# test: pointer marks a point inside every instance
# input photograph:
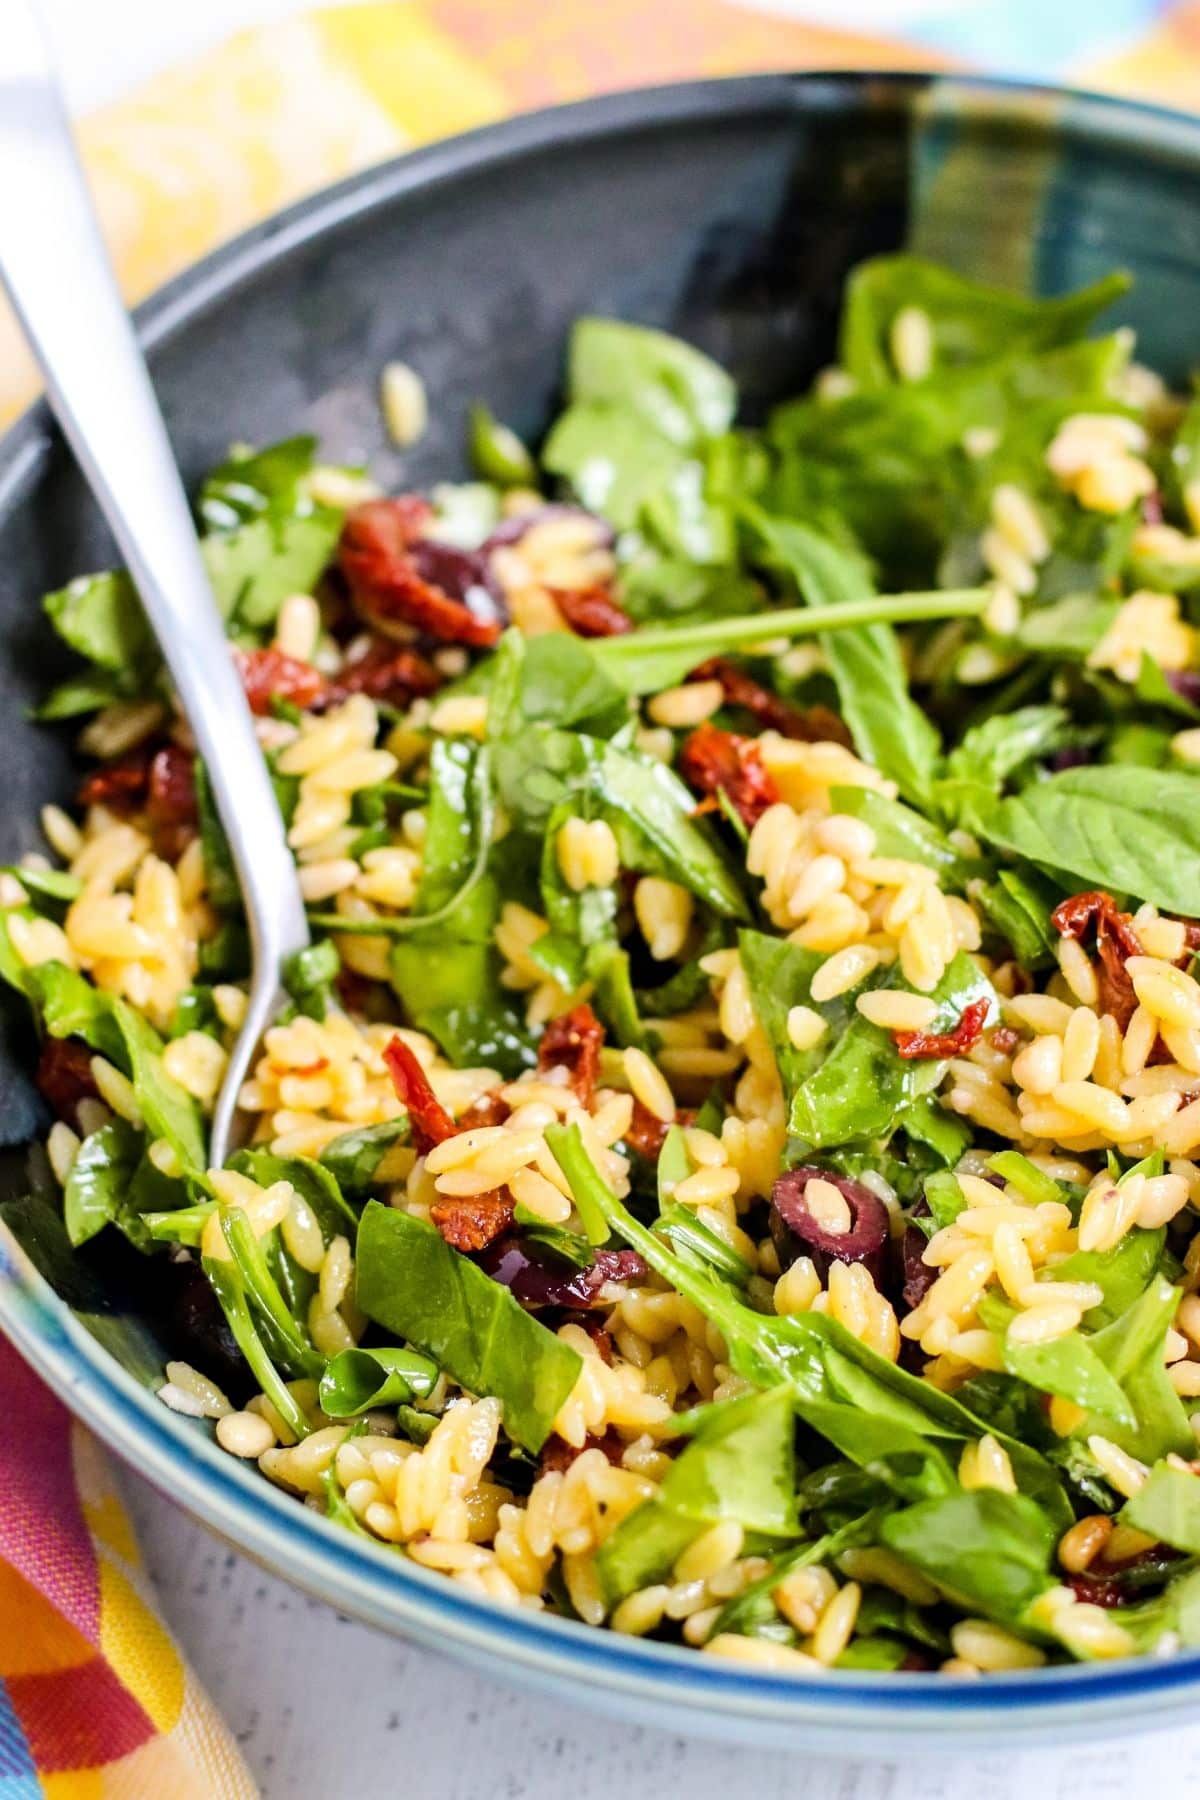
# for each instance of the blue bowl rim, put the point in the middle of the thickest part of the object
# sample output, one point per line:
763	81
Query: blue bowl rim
185	1463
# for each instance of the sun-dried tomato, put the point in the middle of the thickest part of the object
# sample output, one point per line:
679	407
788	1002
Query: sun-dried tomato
592	612
573	1042
558	1455
1116	941
64	1076
171	810
713	761
1004	1039
489	1109
966	1034
810	725
646	1132
471	1222
430	1122
271	675
398	575
385	672
120	786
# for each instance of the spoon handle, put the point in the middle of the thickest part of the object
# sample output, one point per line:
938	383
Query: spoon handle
56	269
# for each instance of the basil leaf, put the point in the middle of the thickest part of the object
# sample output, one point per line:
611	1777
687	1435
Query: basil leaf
1129	829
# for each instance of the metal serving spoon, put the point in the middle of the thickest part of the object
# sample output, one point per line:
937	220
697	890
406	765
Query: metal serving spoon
55	267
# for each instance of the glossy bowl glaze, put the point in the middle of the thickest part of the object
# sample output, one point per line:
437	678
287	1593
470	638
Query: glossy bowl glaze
729	212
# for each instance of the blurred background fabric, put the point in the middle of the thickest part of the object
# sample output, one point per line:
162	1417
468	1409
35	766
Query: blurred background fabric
198	120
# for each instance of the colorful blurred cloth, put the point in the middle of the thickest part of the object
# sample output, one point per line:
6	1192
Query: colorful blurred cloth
96	1702
95	1699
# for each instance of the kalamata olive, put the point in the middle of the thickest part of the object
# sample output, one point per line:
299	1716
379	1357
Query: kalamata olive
1075	756
537	1280
796	1232
463	574
1185	683
918	1276
197	1329
512	530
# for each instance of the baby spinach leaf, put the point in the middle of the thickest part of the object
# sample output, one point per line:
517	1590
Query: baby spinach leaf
780	975
900	832
252	482
1067	1365
672	387
1069	628
284	1336
1133	1348
753	1612
358	1381
308	976
1017	906
101	617
80	694
991	753
988	1550
740	1465
98	1185
413	1284
1168	1508
1129	829
353	1159
863	1084
889	729
70	1007
971	323
810	1353
1123	1273
312	1181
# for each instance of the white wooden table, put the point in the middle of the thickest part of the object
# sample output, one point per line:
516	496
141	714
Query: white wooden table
325	1708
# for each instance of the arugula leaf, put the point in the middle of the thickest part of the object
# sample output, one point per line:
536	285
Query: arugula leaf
971	323
1130	829
226	1280
992	752
358	1381
889	729
739	1465
412	1283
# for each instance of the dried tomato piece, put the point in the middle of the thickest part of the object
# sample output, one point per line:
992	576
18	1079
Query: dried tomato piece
1116	941
714	761
646	1131
1004	1039
120	786
966	1034
473	1221
171	809
489	1109
573	1042
430	1122
397	575
812	725
64	1076
592	612
558	1455
396	676
271	675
